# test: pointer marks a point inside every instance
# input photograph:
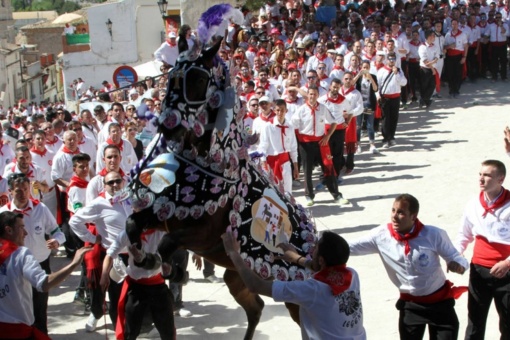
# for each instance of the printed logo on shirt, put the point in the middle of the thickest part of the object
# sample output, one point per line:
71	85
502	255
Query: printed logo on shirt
423	260
50	162
349	303
38	230
502	229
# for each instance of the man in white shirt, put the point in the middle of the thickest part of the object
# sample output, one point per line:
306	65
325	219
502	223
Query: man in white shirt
118	116
53	143
485	221
23	273
411	254
86	145
43	158
110	218
429	76
39	223
168	52
129	158
319	295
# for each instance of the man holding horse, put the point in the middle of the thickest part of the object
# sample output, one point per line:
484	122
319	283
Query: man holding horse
333	292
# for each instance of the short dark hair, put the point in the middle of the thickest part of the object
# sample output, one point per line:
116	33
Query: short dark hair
412	202
333	248
113	125
80	158
8	218
17	178
428	33
500	166
111	146
40	132
280	102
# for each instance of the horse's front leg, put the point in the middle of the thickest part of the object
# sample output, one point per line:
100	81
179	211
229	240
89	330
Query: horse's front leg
251	303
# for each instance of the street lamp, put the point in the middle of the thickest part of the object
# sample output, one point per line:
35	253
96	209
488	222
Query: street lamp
162	4
109	24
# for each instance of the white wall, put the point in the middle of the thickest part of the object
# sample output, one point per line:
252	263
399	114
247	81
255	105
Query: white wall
136	34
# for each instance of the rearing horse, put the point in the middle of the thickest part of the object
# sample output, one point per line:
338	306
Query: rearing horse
198	180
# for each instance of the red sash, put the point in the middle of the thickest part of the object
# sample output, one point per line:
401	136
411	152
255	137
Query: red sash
21	331
487	254
327	159
92	260
418	226
276	163
448	291
121	307
338	278
350	132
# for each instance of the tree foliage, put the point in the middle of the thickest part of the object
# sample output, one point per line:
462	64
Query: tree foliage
61	6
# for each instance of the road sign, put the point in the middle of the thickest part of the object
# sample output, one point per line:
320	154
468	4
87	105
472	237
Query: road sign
124	76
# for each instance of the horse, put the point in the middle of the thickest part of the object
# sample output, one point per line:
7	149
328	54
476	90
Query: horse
199	180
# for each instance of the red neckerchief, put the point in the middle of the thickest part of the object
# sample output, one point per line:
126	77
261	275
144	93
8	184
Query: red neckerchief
77	182
287	100
353	71
266	86
482	26
338	100
249	115
268	118
6	249
321	58
368	56
395	36
300	61
503	198
55	139
120	145
415	43
69	152
323	77
146	233
456	34
103	172
103	195
338	68
252	49
473	26
378	66
29	174
387	68
40	153
312	111
338	278
345	93
16	126
244	79
418	226
82	142
282	133
170	43
337	45
23	211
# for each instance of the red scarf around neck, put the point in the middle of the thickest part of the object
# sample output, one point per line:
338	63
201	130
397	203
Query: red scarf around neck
66	150
345	93
338	278
6	249
418	226
55	140
120	145
40	153
503	198
339	99
103	172
336	67
77	182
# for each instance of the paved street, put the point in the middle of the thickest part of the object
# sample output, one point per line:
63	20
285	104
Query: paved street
436	159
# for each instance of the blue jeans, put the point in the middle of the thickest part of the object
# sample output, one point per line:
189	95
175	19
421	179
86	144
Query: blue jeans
370	126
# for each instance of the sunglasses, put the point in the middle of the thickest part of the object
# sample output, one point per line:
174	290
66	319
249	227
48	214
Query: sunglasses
29	139
311	77
77	129
254	105
131	129
114	181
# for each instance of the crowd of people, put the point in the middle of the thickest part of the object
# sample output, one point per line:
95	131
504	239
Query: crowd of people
310	90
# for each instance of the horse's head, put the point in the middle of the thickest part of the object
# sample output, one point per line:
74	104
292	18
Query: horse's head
194	94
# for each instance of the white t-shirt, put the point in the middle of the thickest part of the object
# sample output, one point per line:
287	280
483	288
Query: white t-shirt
321	314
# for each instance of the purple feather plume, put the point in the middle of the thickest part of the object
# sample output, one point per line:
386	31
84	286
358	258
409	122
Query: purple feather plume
215	20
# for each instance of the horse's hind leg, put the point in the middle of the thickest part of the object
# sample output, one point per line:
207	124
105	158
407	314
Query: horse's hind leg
251	303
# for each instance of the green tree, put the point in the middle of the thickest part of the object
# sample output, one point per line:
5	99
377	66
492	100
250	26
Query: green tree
68	7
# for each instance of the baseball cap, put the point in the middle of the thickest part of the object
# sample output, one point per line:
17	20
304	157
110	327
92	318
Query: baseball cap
275	31
264	99
172	35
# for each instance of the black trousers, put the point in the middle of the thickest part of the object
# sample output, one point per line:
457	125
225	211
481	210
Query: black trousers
440	317
404	89
180	258
414	79
427	84
40	302
483	288
498	61
485	66
472	63
453	69
336	145
97	297
390	110
208	269
310	152
157	299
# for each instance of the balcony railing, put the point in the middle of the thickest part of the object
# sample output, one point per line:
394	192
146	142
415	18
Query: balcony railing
74	39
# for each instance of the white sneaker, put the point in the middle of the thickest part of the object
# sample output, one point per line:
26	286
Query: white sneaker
185	313
91	324
373	150
393	142
386	146
358	150
213	279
